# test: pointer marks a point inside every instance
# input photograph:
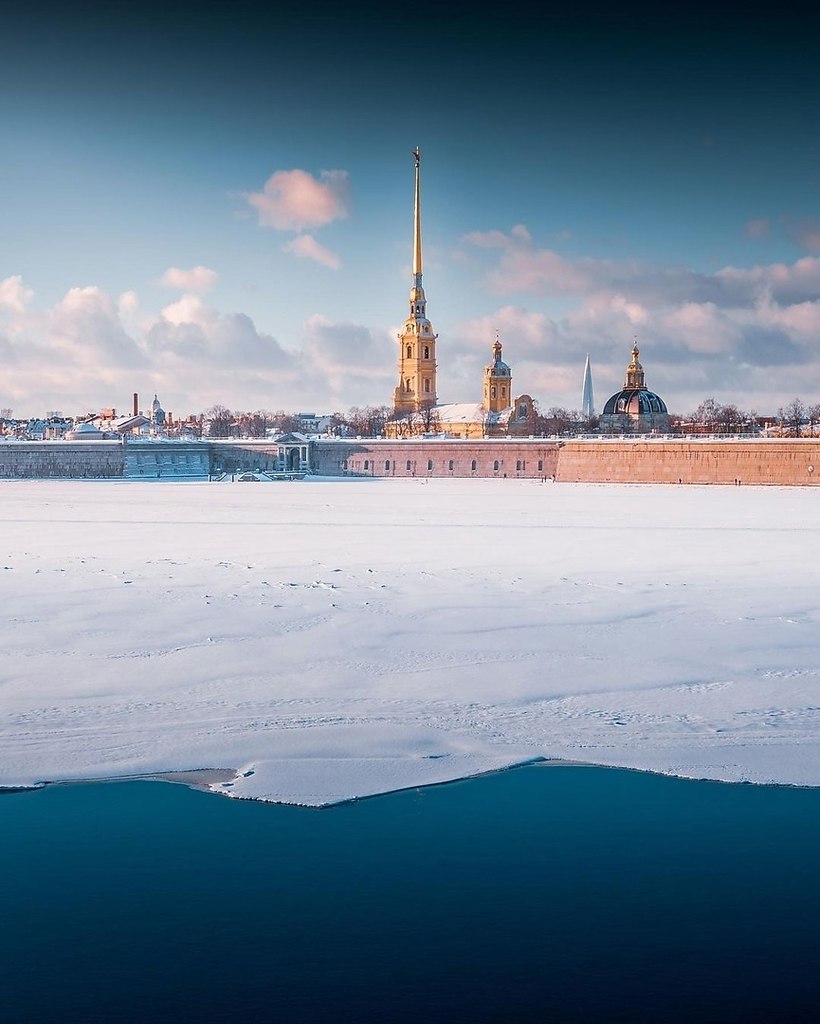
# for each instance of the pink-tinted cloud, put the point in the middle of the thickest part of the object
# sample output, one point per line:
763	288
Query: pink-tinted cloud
198	279
295	200
14	296
521	267
306	247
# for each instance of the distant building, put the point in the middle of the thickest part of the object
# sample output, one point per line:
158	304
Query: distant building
635	409
86	431
587	399
311	423
157	413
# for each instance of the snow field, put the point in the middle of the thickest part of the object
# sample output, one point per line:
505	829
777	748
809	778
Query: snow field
334	639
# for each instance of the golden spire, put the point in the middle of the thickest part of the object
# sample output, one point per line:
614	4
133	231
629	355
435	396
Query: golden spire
417	223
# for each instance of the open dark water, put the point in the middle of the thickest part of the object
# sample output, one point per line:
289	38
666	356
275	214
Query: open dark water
540	894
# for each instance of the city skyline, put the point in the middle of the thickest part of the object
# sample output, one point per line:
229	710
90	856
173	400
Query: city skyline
215	204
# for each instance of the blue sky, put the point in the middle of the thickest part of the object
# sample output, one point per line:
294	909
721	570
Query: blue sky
588	175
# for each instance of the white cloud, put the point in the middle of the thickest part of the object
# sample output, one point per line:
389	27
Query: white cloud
295	200
308	248
355	364
14	296
523	268
723	334
701	328
188	309
198	279
85	327
128	302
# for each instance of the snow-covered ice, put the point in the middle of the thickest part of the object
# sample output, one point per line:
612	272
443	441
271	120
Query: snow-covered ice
333	639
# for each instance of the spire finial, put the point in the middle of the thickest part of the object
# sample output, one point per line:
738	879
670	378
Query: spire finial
417	220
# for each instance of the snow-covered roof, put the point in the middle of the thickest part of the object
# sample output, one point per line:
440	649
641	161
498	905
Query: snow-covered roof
469	412
127	422
84	431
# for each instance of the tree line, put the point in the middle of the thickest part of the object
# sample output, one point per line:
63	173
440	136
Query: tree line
797	418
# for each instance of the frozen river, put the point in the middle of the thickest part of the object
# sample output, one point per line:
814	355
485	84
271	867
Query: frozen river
335	639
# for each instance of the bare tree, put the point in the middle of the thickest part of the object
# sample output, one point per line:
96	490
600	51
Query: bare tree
792	416
707	414
730	418
428	418
813	416
284	422
557	421
220	420
255	424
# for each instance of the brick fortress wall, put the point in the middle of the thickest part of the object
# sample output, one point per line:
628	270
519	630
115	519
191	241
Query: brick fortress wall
440	457
708	461
785	462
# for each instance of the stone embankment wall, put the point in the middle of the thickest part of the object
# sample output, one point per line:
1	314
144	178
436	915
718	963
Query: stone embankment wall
242	456
790	463
433	457
180	460
708	461
37	460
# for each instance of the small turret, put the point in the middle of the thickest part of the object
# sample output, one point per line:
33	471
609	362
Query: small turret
634	372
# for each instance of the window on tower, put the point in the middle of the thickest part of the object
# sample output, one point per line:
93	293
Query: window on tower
409	351
427	387
492	392
426	351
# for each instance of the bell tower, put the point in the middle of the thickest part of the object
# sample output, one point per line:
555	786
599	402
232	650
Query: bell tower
497	382
416	389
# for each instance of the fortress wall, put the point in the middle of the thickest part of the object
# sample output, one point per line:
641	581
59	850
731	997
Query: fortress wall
708	461
175	460
791	463
97	460
434	457
243	456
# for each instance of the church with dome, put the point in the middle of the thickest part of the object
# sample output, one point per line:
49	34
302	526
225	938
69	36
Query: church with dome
416	409
635	409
